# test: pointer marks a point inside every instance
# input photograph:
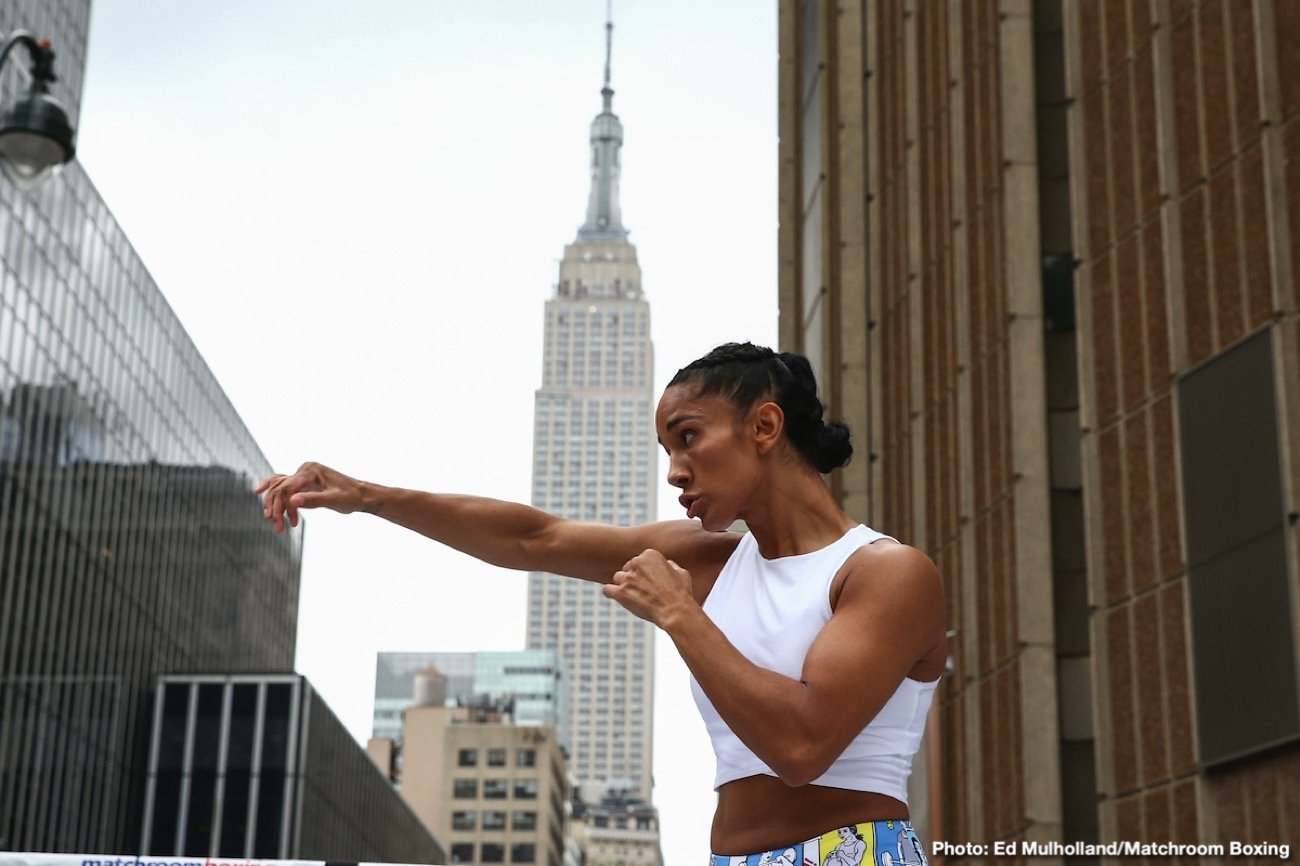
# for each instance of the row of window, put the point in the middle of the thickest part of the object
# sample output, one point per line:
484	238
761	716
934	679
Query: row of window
493	820
497	757
494	789
493	852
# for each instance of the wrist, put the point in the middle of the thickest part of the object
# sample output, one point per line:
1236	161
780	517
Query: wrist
678	617
371	498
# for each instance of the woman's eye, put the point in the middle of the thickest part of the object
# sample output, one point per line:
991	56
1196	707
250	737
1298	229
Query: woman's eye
687	436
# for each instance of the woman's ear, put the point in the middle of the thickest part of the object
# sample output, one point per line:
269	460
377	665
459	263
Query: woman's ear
768	424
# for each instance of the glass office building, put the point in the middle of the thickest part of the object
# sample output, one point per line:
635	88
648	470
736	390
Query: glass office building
131	543
533	681
258	766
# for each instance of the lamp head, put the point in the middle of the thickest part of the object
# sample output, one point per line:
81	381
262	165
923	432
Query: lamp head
36	137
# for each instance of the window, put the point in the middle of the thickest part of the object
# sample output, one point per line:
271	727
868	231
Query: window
464	789
463	820
1235	524
496	757
494	789
525	789
467	758
526	758
493	853
462	852
523	853
494	820
523	821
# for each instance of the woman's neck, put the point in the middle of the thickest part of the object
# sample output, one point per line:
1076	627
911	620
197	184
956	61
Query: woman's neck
794	514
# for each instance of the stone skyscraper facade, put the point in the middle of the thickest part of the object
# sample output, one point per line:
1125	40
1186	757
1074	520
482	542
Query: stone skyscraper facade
594	459
1046	259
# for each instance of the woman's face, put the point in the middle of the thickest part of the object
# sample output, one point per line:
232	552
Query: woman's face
710	457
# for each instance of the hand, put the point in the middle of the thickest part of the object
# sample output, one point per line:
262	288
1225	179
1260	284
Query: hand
652	587
312	486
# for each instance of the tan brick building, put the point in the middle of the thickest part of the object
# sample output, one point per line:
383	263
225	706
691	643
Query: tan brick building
1044	257
489	790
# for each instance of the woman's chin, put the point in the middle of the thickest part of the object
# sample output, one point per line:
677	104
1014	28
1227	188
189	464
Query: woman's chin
714	524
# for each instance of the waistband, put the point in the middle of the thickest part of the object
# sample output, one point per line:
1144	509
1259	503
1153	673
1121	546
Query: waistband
870	843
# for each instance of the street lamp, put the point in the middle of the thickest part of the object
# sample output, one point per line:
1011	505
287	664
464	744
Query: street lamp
35	134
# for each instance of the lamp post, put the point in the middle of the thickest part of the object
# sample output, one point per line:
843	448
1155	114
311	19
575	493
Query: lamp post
35	134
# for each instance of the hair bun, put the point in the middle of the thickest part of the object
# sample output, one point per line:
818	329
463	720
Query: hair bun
834	446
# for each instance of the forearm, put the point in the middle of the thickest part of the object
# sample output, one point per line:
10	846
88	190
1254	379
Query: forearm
507	534
774	715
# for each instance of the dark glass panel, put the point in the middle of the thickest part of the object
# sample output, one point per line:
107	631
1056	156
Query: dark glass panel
270	815
167	798
207	727
198	824
243	727
234	814
171	745
275	731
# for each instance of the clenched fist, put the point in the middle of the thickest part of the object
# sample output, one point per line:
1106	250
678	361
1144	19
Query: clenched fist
652	587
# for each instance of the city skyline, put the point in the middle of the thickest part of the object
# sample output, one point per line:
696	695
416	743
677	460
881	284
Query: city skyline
342	308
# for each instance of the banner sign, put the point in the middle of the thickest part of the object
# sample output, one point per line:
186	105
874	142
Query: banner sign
19	858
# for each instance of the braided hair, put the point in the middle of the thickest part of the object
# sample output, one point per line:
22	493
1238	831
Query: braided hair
746	374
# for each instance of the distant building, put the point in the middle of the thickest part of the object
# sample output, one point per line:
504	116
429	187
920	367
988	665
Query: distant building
491	790
533	680
594	458
620	830
256	766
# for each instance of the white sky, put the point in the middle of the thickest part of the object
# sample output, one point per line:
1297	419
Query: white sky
357	210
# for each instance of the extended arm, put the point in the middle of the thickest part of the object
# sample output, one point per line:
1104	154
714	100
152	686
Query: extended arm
799	727
501	533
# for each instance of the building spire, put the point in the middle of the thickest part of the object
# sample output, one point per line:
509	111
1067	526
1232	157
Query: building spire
604	220
606	91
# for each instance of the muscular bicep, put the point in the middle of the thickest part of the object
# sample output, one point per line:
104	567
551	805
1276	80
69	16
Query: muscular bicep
890	615
594	551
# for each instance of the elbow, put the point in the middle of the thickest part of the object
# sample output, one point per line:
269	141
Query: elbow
802	765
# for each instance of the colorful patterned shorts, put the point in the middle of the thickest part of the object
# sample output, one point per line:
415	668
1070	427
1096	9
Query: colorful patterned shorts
871	843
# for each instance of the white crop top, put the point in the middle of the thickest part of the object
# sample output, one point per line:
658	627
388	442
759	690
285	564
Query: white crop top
772	610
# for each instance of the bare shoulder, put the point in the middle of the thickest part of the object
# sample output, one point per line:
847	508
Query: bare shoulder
890	569
890	587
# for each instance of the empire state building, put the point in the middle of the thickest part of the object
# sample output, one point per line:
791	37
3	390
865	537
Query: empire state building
594	460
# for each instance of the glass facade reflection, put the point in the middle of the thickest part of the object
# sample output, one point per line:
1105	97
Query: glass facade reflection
131	543
533	682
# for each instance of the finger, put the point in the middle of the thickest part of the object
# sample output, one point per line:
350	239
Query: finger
610	590
310	499
620	578
267	482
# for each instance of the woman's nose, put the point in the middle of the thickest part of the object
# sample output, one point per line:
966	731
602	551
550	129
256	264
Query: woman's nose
677	475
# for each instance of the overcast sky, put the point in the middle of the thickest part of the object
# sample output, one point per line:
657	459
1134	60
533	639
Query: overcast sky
357	211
